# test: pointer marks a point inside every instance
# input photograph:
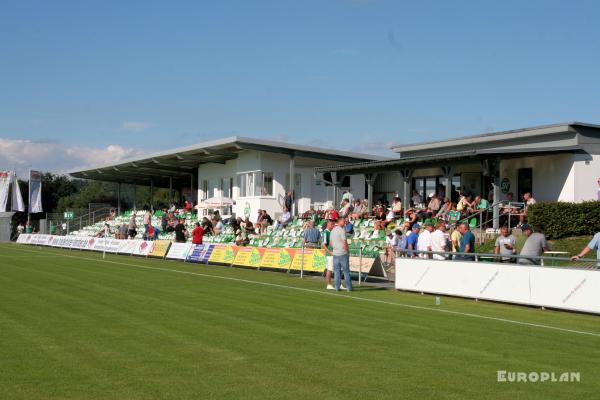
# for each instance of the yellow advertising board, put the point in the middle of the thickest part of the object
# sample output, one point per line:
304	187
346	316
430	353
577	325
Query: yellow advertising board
223	254
314	260
160	248
277	258
249	256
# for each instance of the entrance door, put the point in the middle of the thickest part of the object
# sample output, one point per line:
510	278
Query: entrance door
524	182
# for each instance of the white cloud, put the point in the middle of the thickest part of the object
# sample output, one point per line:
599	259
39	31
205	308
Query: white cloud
54	157
135	126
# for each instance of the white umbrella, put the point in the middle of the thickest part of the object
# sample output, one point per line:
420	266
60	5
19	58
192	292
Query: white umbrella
216	202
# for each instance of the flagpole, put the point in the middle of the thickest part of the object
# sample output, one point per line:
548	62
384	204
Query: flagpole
29	200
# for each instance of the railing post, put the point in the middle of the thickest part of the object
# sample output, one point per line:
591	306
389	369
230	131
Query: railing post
360	261
302	263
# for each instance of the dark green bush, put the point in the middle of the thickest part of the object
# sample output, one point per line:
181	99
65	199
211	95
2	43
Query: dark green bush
561	219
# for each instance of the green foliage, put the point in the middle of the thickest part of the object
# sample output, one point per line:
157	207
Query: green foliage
561	219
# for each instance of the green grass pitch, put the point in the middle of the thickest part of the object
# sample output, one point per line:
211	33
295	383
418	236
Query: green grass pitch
74	326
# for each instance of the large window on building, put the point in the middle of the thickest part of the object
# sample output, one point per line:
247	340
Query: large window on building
255	183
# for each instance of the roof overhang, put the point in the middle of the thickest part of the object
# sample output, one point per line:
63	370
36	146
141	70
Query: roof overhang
179	166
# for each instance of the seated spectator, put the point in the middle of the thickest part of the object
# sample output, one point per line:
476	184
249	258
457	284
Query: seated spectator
529	201
378	231
188	206
249	226
379	213
265	222
506	245
411	216
444	209
534	246
347	195
405	228
397	206
416	198
346	209
358	211
332	214
241	237
481	203
312	236
465	205
285	218
390	217
434	204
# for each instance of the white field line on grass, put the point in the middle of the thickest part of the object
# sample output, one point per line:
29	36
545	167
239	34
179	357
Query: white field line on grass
323	292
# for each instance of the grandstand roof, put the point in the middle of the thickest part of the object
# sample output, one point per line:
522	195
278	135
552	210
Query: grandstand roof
181	164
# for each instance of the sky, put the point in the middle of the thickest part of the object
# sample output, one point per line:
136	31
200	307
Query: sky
88	82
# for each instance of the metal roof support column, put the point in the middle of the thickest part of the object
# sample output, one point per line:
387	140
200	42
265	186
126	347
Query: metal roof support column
370	180
134	196
292	181
448	172
119	198
406	175
152	195
491	167
170	191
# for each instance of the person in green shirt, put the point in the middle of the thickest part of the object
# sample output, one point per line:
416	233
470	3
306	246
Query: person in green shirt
481	204
28	227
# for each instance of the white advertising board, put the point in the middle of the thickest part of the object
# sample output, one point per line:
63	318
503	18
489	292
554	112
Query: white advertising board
569	289
179	251
143	248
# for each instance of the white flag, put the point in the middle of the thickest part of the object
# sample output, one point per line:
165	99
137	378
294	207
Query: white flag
17	199
4	186
35	192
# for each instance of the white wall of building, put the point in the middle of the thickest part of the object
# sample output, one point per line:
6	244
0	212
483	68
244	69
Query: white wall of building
587	172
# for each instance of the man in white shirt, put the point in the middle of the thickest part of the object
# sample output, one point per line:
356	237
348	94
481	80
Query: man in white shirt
285	218
439	241
424	243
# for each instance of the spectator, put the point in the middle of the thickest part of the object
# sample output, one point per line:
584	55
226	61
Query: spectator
390	217
180	232
347	195
20	228
326	246
467	242
378	230
405	227
506	245
594	244
28	227
288	200
529	201
346	209
197	234
440	191
265	222
249	226
416	198
412	238
534	246
147	220
455	239
164	221
444	209
132	226
341	258
481	203
122	232
396	246
359	210
424	242
411	216
312	236
207	226
397	206
389	247
439	241
241	237
332	214
434	204
285	218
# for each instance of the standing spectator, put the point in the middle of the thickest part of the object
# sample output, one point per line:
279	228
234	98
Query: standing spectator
147	220
28	227
346	208
208	226
594	244
341	258
326	246
132	228
312	236
164	220
534	246
506	245
467	242
180	232
455	239
396	246
20	228
197	234
529	201
424	242
389	247
288	200
347	195
412	239
439	241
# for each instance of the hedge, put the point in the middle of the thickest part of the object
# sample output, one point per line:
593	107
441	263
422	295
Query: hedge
561	219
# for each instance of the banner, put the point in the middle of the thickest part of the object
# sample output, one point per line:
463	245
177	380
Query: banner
314	260
223	254
249	256
17	199
179	251
160	248
35	192
277	258
127	246
143	248
195	253
5	177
